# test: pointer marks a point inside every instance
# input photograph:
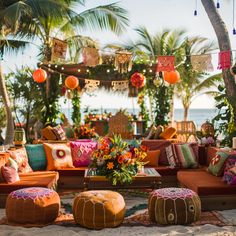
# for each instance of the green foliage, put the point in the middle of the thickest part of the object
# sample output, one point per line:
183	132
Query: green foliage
225	118
76	114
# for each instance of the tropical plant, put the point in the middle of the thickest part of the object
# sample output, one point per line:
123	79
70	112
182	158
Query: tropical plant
194	83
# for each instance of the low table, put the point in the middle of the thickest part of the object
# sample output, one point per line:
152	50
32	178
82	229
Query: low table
149	179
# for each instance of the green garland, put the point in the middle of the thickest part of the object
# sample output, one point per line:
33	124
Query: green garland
76	114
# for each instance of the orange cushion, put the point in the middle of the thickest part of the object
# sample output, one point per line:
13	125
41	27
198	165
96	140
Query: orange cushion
4	158
168	133
152	158
47	133
58	155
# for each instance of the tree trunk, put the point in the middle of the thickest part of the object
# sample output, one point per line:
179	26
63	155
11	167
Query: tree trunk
186	110
224	45
6	101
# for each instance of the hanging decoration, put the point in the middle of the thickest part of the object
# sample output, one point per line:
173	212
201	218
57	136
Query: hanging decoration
218	4
202	62
171	77
234	30
39	75
120	85
224	58
91	57
195	11
71	82
91	85
59	49
165	63
138	80
123	61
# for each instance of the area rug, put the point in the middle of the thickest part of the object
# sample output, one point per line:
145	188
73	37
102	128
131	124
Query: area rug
136	213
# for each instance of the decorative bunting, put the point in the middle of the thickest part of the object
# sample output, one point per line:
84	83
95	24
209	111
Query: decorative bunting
224	58
91	57
59	49
165	63
120	85
91	85
202	62
123	61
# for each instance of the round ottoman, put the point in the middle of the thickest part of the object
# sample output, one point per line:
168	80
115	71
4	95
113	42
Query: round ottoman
99	209
174	206
32	206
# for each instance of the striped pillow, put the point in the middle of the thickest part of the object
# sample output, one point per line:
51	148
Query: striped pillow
186	156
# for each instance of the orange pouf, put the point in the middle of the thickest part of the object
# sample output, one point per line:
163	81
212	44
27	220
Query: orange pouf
174	206
99	209
32	206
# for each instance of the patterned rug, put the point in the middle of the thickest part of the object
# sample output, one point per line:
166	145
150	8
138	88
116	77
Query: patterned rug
136	213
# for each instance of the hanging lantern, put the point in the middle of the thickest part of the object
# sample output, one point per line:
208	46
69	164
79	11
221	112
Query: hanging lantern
19	136
171	77
138	80
39	75
71	82
207	129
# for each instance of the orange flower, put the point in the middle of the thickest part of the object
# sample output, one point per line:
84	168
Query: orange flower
143	148
120	159
110	165
106	151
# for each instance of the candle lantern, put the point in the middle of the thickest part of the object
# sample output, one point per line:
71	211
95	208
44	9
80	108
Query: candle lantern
19	136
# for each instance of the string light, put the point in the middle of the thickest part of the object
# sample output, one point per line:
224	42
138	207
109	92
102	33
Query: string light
108	70
79	70
87	70
62	68
55	66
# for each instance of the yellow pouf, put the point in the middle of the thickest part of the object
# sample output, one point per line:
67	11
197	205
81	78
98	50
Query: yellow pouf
99	209
32	206
174	206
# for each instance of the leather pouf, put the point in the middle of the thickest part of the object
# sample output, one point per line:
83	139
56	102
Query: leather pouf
174	206
99	209
32	206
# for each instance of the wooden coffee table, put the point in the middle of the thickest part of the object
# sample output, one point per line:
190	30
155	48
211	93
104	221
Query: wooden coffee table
150	179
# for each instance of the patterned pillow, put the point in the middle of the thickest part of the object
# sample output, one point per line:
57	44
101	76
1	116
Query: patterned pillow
37	156
81	151
48	134
59	132
8	175
12	164
21	158
216	166
230	176
152	158
58	156
4	158
171	156
185	156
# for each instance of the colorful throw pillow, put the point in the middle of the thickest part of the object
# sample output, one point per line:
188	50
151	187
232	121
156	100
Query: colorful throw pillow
4	158
59	132
171	156
8	175
48	134
185	156
21	158
168	133
152	158
37	156
58	156
230	176
81	151
12	164
216	166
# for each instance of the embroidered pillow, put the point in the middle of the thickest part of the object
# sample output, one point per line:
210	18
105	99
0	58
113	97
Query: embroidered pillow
171	156
37	156
21	158
217	163
8	175
185	156
81	151
12	164
152	158
59	132
58	156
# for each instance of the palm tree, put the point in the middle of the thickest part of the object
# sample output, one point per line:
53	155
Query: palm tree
194	82
33	17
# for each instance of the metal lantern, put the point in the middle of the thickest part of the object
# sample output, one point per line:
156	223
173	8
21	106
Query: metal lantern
207	129
19	136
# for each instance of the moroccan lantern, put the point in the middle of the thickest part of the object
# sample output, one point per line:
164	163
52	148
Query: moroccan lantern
19	136
138	80
207	129
71	82
171	76
39	75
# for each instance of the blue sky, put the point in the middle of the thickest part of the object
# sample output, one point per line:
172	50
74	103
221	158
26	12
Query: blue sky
156	15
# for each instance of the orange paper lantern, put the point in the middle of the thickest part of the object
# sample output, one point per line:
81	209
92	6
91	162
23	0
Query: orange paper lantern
39	75
171	76
71	82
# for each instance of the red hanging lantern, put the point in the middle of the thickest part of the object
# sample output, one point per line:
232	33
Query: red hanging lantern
138	80
171	77
39	75
71	82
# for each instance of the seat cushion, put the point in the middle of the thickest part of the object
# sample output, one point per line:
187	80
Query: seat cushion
204	183
47	179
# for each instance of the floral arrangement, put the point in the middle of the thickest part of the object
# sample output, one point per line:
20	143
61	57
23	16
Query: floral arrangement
95	117
84	131
138	80
118	160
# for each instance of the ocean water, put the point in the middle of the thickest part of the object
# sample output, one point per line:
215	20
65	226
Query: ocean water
198	116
